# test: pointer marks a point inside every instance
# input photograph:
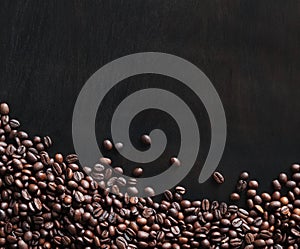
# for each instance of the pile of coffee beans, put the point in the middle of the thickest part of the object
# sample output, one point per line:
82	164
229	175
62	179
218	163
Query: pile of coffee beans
49	202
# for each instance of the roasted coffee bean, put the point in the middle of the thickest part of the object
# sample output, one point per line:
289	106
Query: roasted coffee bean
241	185
235	197
146	139
253	184
72	158
175	161
149	191
119	146
47	141
218	177
180	190
244	175
107	144
4	109
237	222
121	243
137	172
295	168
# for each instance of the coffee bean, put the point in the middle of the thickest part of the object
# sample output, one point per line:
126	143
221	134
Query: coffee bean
121	243
146	139
249	238
218	177
47	141
253	184
181	190
235	197
276	185
132	191
266	197
168	195
4	109
149	191
72	158
175	161
119	146
275	204
295	168
237	222
291	184
107	144
22	244
137	172
14	123
244	175
259	243
241	185
205	205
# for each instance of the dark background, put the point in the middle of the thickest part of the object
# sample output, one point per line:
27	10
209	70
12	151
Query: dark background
248	49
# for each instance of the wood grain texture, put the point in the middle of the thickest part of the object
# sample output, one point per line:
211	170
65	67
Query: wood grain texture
249	50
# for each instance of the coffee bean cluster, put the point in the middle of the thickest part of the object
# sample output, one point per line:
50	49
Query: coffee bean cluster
49	202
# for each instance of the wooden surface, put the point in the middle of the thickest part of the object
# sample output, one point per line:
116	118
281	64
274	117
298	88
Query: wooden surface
249	50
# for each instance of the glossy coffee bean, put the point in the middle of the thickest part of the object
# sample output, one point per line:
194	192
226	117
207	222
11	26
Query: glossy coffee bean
218	177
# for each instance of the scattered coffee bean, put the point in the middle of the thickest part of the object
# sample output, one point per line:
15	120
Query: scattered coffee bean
137	172
149	191
235	197
119	146
218	177
175	161
146	139
4	109
244	176
107	144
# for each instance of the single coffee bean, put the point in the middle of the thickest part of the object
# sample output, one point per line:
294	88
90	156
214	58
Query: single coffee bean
295	168
149	191
72	158
107	144
244	175
119	146
175	161
47	141
146	139
253	184
218	177
4	109
137	172
276	185
168	195
179	189
291	184
235	197
241	185
266	197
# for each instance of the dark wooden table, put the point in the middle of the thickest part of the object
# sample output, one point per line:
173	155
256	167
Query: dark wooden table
249	50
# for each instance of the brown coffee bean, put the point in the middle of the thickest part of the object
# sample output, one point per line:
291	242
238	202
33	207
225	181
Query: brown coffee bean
266	197
146	139
241	185
107	144
4	109
149	191
137	172
244	175
253	184
175	161
218	177
235	197
295	168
